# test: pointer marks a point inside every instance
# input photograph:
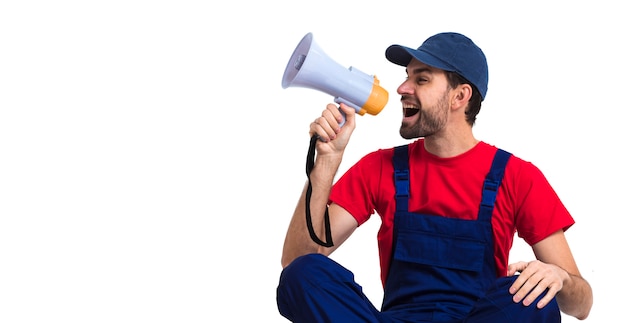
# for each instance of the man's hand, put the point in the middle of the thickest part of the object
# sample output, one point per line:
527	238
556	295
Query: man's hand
535	277
333	137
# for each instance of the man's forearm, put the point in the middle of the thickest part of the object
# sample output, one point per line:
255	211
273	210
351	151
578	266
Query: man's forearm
576	297
298	241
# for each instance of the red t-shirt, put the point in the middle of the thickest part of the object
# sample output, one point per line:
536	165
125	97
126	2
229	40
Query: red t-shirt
452	187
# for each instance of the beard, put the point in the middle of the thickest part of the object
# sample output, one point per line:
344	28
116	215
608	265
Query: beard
428	122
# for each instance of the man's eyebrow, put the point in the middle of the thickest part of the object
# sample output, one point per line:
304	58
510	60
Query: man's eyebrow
418	70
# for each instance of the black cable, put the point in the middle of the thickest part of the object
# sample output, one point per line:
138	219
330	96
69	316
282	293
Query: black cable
310	161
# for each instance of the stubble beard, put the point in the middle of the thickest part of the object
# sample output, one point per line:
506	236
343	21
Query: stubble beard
428	123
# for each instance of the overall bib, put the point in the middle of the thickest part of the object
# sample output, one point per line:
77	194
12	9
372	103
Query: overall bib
442	270
441	267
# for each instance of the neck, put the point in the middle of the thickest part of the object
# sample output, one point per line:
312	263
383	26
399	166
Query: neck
450	145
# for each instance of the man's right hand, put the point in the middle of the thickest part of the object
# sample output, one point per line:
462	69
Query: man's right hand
333	137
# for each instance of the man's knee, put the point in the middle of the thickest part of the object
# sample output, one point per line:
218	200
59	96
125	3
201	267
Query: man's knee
549	313
304	266
498	306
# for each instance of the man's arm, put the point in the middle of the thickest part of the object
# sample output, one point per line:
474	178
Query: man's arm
298	241
330	147
555	270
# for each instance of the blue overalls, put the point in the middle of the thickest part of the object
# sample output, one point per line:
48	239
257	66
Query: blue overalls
443	270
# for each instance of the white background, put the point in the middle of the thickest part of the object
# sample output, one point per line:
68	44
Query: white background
150	159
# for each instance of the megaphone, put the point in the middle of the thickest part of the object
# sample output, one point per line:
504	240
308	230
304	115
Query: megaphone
310	67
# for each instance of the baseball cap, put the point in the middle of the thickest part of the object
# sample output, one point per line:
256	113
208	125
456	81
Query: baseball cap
448	51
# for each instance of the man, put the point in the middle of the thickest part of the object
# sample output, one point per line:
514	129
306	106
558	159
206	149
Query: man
449	204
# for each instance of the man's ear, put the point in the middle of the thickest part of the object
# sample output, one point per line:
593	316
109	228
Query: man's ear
462	95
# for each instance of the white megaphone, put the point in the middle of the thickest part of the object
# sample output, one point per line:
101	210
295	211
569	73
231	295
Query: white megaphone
309	67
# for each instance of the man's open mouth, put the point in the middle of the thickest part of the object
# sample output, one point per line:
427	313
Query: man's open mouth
409	112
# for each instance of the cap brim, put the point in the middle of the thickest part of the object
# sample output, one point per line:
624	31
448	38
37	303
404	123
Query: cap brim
402	55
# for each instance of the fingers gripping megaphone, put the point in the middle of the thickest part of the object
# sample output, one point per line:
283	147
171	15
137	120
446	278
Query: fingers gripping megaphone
310	67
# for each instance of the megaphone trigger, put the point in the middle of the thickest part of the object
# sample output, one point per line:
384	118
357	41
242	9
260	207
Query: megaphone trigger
344	118
343	113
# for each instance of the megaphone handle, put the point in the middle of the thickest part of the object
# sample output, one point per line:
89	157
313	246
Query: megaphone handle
340	100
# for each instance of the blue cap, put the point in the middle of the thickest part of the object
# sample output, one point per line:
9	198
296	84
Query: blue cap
450	52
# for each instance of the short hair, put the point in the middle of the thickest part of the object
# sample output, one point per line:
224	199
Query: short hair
474	104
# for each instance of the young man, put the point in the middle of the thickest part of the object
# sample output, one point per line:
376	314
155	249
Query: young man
449	204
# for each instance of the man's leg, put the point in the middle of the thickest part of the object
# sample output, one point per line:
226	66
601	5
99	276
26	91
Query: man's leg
498	306
314	288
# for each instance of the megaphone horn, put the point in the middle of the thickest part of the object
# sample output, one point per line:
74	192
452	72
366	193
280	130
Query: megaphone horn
310	67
